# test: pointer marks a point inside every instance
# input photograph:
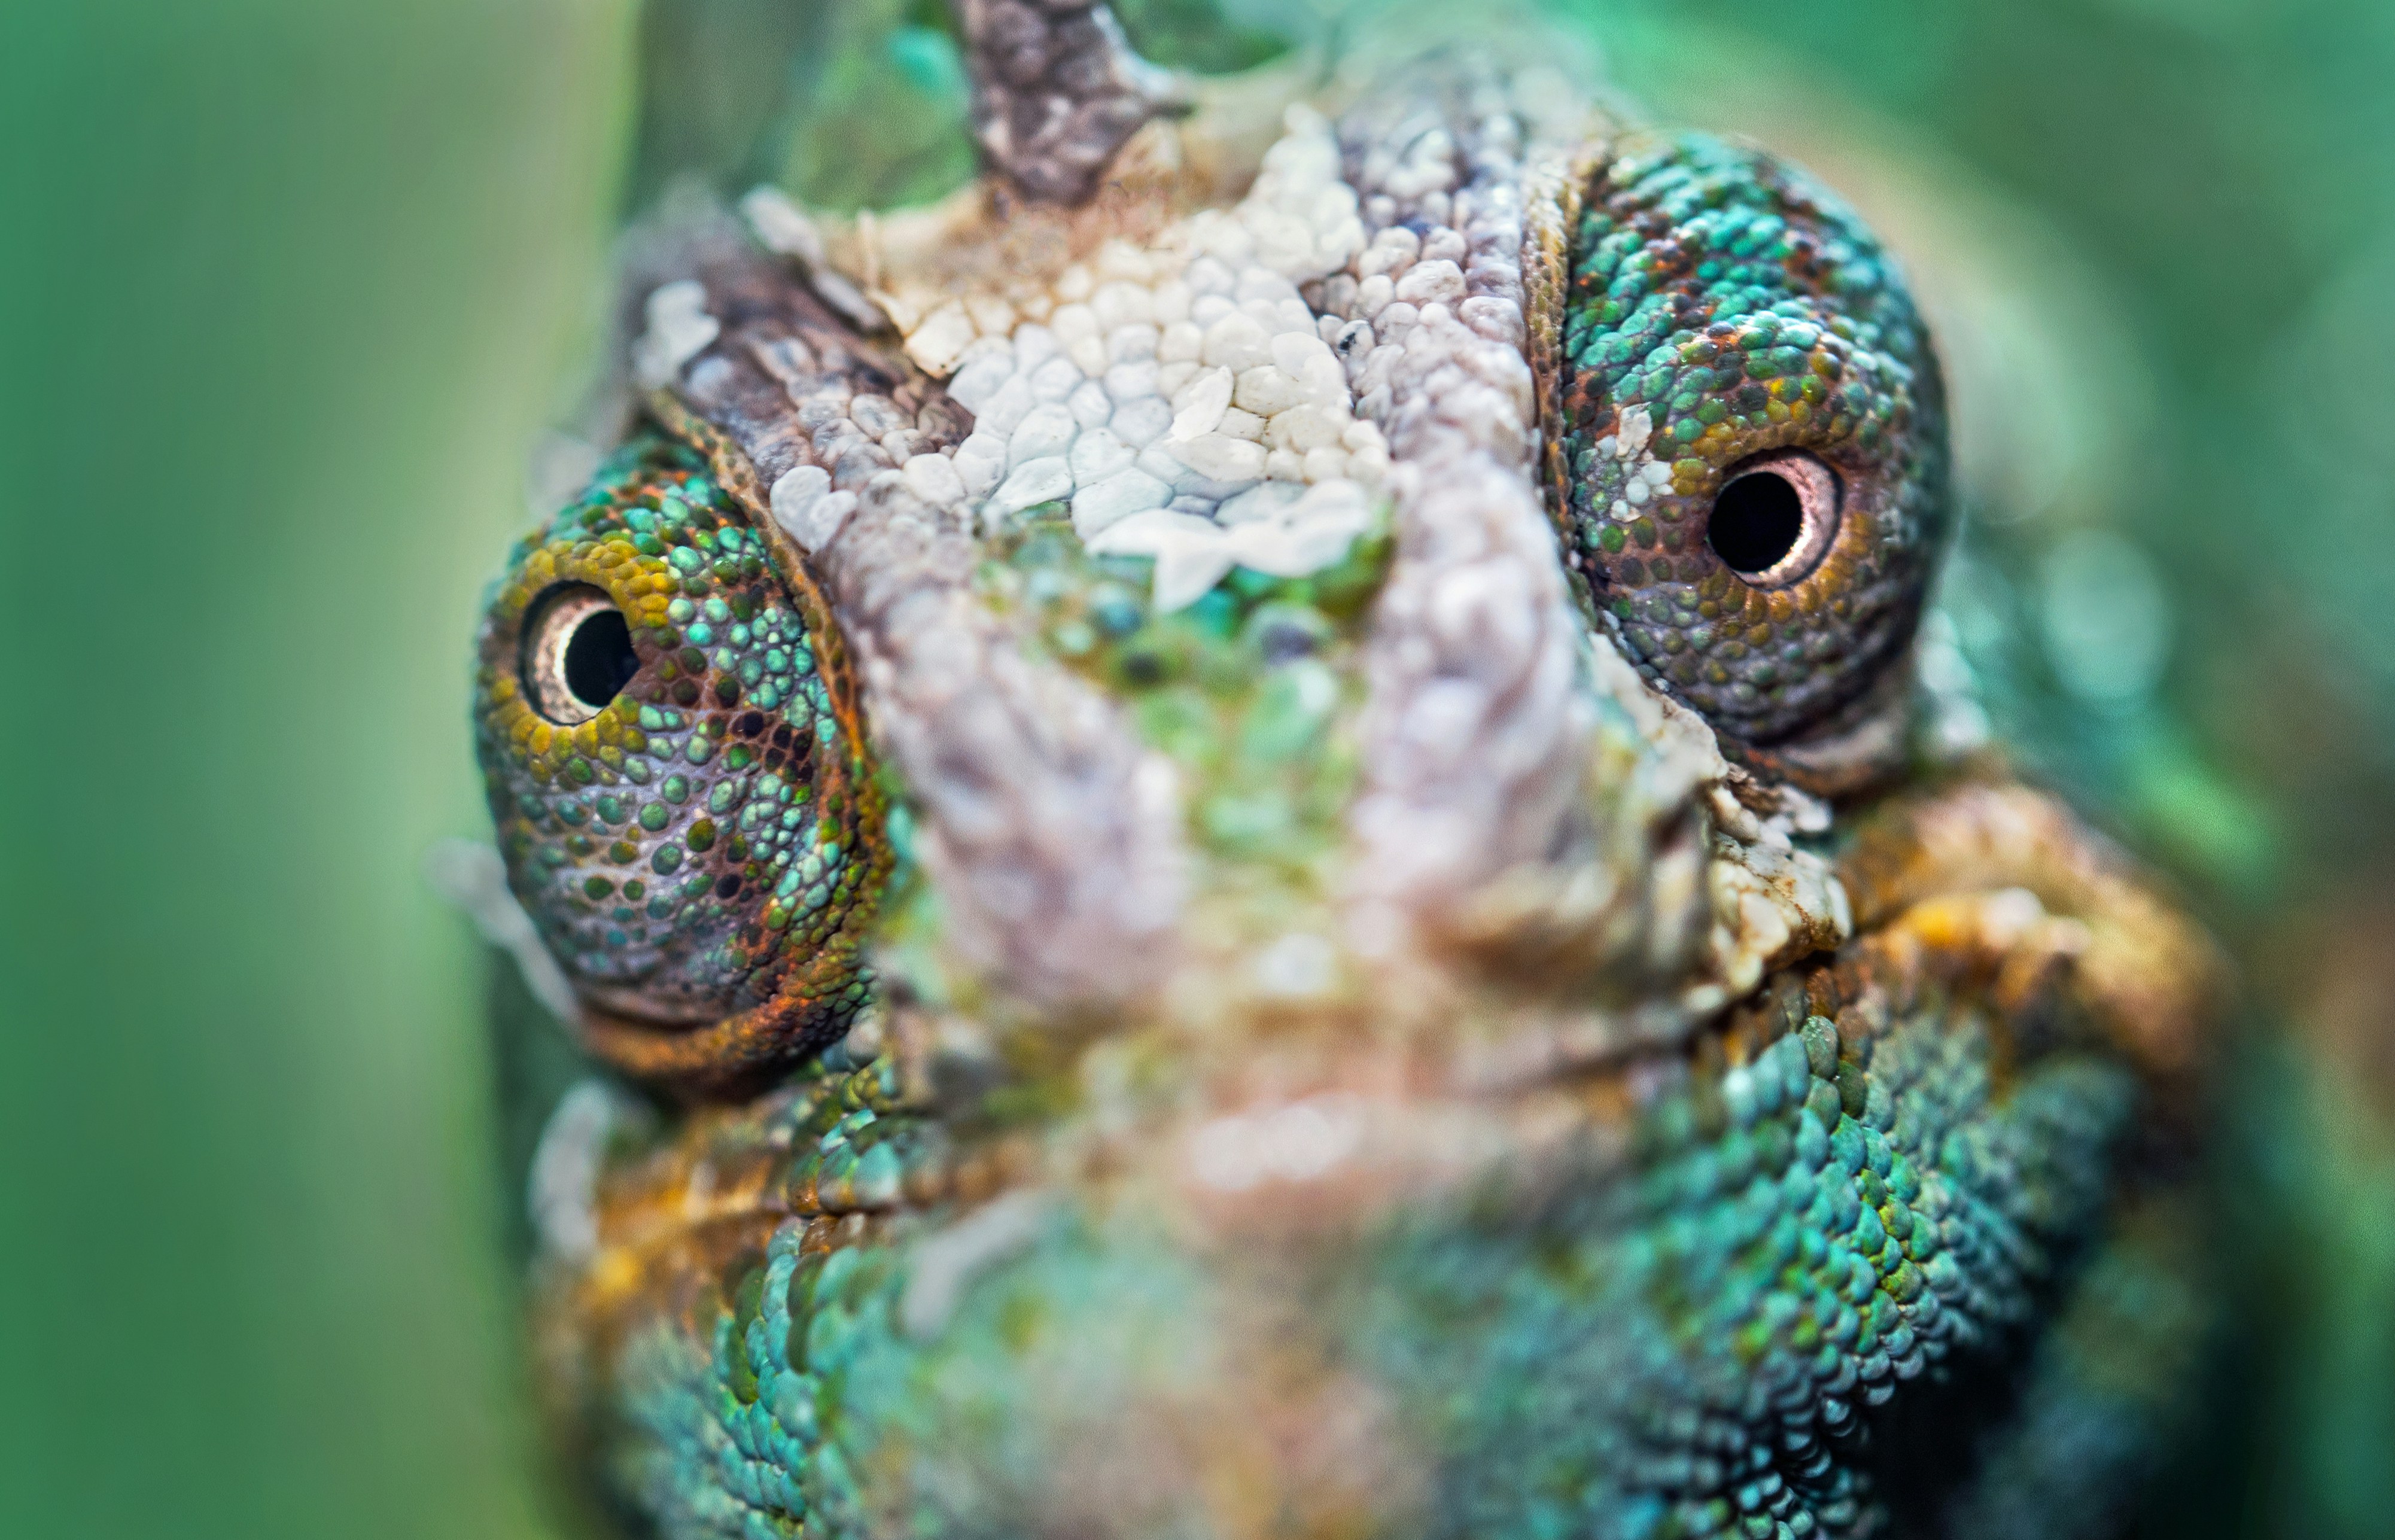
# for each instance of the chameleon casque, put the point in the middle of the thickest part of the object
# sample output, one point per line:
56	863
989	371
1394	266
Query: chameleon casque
1249	847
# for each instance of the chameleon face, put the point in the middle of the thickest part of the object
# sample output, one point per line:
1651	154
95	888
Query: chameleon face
1238	932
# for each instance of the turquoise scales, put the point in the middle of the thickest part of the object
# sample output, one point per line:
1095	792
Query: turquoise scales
1371	1034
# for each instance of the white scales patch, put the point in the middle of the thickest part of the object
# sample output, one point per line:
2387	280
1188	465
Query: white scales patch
678	329
1183	397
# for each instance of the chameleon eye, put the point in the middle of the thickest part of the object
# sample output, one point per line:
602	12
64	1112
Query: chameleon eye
673	758
577	655
1773	521
1753	440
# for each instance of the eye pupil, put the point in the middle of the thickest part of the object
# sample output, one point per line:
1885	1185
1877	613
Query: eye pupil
577	654
599	658
1757	521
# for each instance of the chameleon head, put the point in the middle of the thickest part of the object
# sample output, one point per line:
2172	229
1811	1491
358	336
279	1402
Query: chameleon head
1395	653
673	763
1159	547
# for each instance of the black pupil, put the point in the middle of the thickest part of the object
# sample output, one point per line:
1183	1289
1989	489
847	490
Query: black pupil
599	658
1757	521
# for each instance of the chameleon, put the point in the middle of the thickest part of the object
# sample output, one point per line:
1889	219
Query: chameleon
1243	835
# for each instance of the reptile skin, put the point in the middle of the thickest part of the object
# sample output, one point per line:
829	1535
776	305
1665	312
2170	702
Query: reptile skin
1254	852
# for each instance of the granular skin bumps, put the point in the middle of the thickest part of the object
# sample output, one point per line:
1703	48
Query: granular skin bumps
1183	399
1862	1209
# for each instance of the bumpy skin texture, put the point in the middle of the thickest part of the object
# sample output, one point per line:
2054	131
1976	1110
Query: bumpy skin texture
1344	1053
1723	306
1856	1213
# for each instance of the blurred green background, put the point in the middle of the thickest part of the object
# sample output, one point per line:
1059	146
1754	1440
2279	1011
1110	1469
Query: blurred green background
287	290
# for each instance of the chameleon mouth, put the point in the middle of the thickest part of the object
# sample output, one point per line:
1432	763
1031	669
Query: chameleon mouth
2010	877
638	1007
1983	911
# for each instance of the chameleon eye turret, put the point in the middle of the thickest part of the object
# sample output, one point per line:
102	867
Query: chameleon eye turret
1755	436
677	773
